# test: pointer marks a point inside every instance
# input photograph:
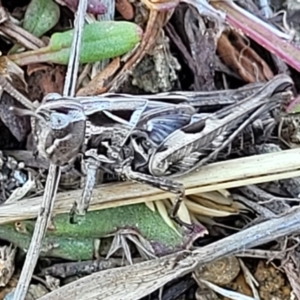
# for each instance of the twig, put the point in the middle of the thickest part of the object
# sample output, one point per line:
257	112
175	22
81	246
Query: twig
22	36
144	278
264	254
222	175
54	171
73	66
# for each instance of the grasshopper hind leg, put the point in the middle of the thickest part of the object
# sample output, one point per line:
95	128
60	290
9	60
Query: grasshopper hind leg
162	183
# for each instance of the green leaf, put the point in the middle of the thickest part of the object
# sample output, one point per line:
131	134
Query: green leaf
100	40
41	16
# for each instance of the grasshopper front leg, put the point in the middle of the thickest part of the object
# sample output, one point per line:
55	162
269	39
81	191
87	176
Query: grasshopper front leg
92	166
162	183
81	205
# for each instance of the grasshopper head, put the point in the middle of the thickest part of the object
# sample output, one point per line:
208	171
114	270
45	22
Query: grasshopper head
58	128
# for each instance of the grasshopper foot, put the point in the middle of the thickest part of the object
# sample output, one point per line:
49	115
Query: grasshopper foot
182	223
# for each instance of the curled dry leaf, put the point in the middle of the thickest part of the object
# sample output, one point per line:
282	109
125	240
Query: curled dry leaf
44	79
272	39
241	58
247	51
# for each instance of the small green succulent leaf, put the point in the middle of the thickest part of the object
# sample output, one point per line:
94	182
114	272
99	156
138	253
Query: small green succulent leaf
41	16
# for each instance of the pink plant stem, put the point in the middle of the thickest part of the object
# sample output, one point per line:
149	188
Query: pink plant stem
260	32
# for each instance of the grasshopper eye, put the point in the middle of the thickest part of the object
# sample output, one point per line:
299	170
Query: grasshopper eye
59	121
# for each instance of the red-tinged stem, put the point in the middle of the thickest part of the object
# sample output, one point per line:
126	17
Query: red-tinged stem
260	33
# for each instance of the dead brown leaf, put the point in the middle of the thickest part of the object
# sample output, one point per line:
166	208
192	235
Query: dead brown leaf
125	8
247	51
32	68
240	285
44	79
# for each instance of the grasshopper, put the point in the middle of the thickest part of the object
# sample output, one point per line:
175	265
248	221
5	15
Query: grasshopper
142	140
186	148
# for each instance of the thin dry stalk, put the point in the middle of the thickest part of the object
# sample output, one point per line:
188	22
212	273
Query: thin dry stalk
38	234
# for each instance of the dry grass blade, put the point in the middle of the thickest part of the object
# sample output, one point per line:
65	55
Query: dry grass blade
144	278
161	208
213	177
197	208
